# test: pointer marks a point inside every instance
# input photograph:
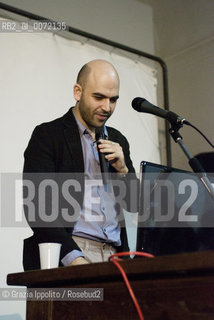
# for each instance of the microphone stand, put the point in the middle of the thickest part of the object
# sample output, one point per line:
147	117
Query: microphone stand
193	162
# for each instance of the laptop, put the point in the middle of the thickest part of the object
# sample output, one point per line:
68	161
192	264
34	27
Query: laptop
176	213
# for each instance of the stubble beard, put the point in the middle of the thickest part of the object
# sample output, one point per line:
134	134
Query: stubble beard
90	117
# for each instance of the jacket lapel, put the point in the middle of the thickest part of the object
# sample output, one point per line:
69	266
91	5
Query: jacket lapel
72	138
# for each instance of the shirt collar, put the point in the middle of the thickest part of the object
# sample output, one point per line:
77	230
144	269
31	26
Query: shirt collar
83	130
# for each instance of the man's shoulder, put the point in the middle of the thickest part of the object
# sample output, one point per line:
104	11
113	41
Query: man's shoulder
56	123
49	124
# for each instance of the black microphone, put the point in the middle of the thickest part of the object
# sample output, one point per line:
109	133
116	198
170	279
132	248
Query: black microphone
99	134
142	105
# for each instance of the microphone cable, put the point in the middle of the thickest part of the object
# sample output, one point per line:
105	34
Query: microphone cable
199	131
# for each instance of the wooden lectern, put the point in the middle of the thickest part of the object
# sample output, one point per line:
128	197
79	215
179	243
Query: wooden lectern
178	287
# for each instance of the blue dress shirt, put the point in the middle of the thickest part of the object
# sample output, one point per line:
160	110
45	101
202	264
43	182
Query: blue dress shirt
97	220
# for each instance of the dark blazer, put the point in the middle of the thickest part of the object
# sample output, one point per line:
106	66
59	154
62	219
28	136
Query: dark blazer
55	147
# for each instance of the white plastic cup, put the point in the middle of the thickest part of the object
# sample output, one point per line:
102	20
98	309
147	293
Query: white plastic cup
49	255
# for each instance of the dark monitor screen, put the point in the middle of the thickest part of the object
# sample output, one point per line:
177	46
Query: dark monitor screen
176	213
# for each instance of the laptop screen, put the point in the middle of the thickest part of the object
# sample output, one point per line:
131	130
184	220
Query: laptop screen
176	213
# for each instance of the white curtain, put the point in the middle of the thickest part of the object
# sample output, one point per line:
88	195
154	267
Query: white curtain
38	71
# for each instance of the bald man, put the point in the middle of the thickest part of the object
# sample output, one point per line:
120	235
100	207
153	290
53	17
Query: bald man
67	145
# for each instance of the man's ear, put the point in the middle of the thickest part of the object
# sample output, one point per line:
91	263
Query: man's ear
77	91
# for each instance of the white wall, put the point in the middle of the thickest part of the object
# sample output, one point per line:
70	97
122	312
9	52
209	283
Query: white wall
191	78
125	21
184	39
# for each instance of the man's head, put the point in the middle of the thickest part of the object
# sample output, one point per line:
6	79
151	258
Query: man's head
96	93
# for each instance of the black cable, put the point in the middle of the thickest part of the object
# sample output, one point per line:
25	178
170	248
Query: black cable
201	133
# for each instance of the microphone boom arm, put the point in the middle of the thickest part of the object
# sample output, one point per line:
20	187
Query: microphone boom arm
193	162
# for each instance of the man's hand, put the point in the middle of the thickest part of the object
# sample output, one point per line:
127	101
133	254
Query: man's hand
114	154
78	261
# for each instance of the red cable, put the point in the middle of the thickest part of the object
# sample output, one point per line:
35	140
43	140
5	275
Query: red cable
113	258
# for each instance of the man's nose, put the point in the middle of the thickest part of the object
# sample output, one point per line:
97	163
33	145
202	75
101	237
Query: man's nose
106	105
